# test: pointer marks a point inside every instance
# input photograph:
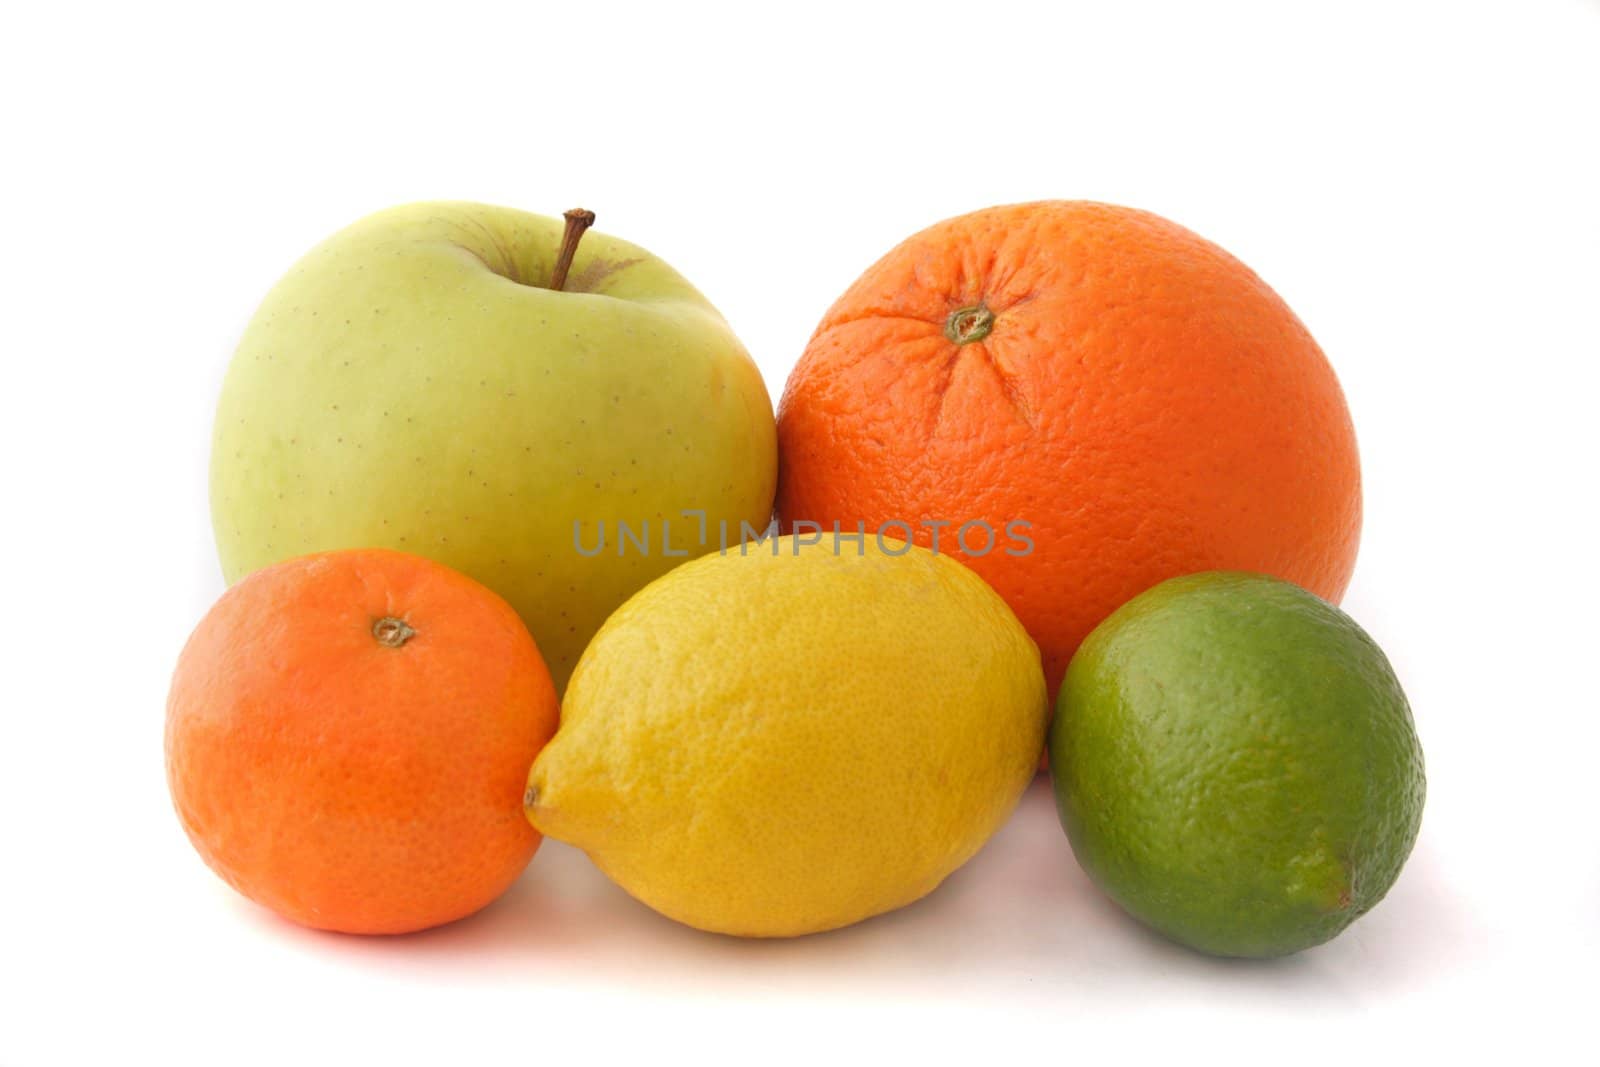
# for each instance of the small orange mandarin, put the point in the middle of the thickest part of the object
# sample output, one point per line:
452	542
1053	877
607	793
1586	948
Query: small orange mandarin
348	735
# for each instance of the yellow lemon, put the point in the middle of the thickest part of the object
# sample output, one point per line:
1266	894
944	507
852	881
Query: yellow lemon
793	737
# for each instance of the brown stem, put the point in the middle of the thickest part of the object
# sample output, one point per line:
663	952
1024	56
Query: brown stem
578	220
392	632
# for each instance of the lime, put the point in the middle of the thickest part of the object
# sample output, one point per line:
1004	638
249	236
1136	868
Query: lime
1235	764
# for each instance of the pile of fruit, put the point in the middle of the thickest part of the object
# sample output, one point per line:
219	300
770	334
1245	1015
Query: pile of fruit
519	548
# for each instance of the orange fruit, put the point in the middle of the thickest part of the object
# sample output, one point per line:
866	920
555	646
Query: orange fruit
348	736
1131	391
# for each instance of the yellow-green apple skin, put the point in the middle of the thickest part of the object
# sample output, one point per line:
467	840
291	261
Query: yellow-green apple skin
413	383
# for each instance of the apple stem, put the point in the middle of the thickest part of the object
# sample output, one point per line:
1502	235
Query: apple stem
578	220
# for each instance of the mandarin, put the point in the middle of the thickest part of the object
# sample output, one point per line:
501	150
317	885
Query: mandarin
347	739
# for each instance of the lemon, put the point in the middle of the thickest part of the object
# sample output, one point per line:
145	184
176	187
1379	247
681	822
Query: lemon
792	737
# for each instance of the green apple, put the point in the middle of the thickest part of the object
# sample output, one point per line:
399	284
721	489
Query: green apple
498	391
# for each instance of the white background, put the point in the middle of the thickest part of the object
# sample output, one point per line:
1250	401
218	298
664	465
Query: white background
1421	181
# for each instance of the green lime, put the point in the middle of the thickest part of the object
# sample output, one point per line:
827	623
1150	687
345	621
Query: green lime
1235	764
